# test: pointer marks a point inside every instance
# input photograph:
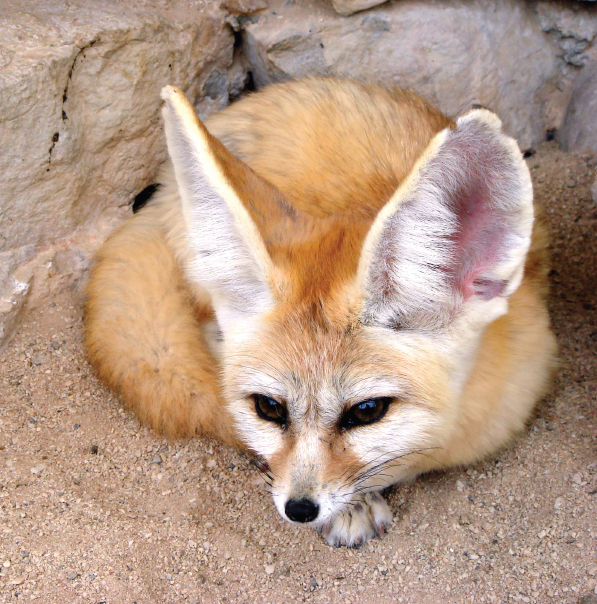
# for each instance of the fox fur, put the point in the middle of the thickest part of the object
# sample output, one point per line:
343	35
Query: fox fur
337	278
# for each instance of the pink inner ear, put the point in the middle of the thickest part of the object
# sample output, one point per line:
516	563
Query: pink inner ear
487	289
458	234
480	237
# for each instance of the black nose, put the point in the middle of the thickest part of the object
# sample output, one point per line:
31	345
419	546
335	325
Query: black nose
301	510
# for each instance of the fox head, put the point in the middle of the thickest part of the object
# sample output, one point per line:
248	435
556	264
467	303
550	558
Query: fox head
347	342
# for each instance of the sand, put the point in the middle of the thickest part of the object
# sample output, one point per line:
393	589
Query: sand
96	508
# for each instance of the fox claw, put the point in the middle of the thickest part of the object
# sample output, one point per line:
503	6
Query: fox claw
381	529
369	516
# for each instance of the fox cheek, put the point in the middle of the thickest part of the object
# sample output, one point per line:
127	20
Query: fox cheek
264	438
388	450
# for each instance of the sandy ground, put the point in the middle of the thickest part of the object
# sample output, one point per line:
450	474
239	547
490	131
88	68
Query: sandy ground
96	508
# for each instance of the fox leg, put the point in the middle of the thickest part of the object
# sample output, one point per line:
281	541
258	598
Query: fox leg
367	516
144	335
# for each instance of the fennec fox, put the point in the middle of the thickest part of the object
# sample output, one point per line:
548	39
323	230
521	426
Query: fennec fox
337	278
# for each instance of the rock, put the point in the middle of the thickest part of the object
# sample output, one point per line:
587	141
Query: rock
86	91
348	7
579	130
38	359
80	126
70	262
571	29
38	469
424	46
14	290
12	301
244	7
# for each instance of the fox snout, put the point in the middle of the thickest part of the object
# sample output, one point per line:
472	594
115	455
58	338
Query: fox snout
299	490
303	497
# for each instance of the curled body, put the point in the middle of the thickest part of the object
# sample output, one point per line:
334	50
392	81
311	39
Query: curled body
337	278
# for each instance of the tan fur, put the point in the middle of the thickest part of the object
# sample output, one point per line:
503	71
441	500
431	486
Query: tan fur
161	367
304	169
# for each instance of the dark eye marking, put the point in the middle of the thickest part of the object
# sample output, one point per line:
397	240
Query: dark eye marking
365	412
270	409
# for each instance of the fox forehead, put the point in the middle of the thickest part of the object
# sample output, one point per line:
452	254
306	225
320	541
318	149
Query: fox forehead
320	370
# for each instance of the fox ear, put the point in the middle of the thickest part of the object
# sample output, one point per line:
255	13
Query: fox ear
228	256
455	234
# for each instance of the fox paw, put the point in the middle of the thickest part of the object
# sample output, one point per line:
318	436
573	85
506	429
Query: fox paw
365	517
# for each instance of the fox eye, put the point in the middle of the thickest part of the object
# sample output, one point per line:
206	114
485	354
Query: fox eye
365	412
269	409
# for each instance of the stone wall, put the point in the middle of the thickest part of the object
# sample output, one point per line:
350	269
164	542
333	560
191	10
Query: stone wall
517	58
80	127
